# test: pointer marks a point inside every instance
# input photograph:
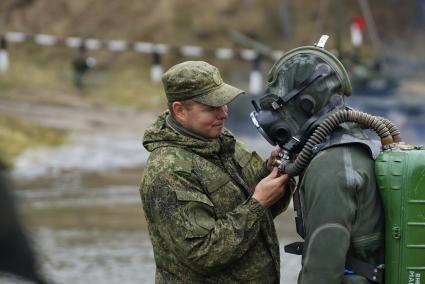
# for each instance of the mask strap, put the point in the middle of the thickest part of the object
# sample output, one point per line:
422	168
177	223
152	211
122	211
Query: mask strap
322	70
296	139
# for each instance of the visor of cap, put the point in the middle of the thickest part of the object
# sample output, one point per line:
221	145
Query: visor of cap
220	96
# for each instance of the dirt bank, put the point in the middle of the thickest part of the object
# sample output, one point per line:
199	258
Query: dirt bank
100	137
79	116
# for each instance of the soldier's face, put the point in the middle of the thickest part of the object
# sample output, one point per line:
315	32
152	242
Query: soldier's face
202	119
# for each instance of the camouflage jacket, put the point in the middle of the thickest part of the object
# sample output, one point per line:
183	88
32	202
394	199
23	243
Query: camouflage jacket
203	223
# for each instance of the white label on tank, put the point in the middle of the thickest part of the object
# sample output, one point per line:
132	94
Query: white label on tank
414	277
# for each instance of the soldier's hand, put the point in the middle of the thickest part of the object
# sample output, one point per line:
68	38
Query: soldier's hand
273	155
270	189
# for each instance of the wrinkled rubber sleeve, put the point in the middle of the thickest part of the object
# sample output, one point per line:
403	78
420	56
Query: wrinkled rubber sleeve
187	221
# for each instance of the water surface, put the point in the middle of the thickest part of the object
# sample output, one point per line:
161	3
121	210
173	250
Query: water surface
90	228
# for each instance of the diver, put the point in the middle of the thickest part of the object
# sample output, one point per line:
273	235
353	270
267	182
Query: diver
339	210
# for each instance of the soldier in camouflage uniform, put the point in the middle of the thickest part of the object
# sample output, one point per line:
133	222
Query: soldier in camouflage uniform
208	201
342	210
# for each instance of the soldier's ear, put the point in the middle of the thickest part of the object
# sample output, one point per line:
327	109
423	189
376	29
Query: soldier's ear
179	111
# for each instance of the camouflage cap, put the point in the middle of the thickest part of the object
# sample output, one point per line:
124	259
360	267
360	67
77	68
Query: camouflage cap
198	81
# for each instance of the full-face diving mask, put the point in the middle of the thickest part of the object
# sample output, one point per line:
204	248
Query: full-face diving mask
304	86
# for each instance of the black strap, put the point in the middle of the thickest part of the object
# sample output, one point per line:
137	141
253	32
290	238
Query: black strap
299	222
322	70
295	248
334	101
371	272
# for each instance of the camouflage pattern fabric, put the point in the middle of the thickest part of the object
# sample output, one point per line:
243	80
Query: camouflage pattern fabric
343	214
203	223
198	81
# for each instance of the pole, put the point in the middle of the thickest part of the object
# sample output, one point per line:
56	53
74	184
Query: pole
255	77
156	69
4	55
370	23
338	24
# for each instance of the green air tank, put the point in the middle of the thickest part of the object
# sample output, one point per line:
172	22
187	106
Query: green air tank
400	175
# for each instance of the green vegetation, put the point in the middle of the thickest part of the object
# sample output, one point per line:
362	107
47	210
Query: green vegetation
45	74
126	82
17	135
195	22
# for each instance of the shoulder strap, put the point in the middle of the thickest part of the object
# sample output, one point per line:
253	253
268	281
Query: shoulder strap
352	265
371	272
344	137
299	222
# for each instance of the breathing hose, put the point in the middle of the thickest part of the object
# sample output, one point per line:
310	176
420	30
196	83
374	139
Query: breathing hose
386	130
392	128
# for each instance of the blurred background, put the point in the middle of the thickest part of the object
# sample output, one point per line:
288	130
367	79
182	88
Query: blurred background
80	82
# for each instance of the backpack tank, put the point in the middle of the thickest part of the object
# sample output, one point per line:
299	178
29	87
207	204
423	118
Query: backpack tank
400	176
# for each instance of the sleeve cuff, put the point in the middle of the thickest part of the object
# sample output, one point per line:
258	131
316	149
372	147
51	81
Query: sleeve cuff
255	206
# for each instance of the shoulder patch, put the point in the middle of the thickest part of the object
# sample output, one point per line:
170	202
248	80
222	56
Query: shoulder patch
169	159
183	166
172	154
183	160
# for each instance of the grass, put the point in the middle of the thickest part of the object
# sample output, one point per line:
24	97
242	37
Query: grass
39	73
17	135
126	82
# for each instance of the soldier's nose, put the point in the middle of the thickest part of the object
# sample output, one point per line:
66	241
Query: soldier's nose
222	112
